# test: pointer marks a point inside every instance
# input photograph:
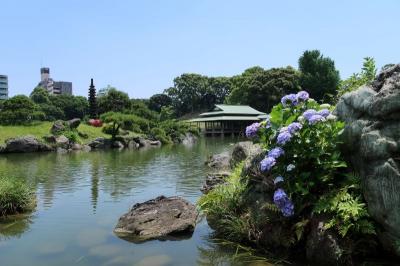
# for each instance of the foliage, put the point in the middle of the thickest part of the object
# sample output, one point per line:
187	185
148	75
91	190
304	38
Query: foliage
40	96
19	110
15	196
222	205
261	89
71	135
159	134
113	101
193	92
367	75
167	113
158	101
71	106
139	108
303	159
175	129
318	75
116	121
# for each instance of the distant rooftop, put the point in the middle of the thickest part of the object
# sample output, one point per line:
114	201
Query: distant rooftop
223	112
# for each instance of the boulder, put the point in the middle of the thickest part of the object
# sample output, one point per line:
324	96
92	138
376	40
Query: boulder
58	127
118	145
213	180
133	145
145	143
76	147
74	123
243	150
26	144
155	143
189	139
159	218
372	141
62	141
100	143
219	162
323	246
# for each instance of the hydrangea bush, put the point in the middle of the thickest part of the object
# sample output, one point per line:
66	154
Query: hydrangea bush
301	139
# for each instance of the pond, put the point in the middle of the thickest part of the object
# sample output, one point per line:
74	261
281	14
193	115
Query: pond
82	195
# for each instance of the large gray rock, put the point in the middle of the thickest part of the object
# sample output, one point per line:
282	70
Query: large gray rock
159	218
189	139
219	162
74	123
62	141
372	139
26	144
58	127
243	150
100	143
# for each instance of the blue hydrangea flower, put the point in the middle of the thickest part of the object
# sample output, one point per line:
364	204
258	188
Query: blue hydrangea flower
278	179
290	167
308	113
283	138
294	127
267	163
302	96
268	122
251	131
276	152
289	99
283	202
324	112
315	119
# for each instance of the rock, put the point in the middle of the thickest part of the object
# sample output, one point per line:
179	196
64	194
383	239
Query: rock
86	148
76	147
62	141
74	123
2	149
118	144
58	127
133	145
372	141
100	143
159	218
219	162
50	138
213	180
61	150
155	143
323	246
145	143
26	144
243	150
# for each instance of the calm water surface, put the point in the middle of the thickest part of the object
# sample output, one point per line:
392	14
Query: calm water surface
82	195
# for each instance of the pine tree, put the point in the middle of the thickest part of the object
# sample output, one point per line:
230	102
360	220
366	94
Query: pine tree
92	100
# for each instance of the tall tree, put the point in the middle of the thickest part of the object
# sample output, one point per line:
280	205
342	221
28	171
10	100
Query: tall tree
92	100
262	89
318	75
113	101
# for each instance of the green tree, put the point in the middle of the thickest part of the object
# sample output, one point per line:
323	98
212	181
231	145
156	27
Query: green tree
114	121
19	109
318	75
113	101
157	101
262	89
72	106
40	96
92	100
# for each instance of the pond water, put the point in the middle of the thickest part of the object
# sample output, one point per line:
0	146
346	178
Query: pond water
82	195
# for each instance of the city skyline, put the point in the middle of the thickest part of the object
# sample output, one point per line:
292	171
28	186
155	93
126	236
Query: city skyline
141	47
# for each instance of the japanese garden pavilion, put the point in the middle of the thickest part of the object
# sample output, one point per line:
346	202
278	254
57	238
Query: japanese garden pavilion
228	120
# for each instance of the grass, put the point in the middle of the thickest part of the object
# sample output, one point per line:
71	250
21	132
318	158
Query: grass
41	129
15	196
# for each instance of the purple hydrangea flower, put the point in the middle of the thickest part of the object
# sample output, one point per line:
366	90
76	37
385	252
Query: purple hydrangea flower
276	152
283	138
315	119
302	96
278	179
308	113
289	99
251	131
294	127
283	202
324	112
267	163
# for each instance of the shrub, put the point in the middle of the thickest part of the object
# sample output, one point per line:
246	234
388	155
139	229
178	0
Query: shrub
15	196
303	159
159	134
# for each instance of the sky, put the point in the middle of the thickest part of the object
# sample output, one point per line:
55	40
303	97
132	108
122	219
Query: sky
140	46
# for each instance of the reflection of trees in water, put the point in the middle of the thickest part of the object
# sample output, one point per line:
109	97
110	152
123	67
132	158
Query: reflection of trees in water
14	226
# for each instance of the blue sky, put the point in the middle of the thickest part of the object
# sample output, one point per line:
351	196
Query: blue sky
140	46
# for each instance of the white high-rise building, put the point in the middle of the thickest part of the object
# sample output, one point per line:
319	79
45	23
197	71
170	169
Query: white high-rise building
3	87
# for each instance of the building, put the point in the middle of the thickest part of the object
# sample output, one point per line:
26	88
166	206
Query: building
3	87
228	120
54	87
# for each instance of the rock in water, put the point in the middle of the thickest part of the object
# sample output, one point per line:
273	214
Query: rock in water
25	144
372	139
159	218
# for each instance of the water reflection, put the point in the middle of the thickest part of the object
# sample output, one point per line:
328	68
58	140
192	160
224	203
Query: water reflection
81	196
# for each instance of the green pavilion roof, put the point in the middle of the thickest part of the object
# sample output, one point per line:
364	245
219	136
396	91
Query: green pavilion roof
241	110
223	112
